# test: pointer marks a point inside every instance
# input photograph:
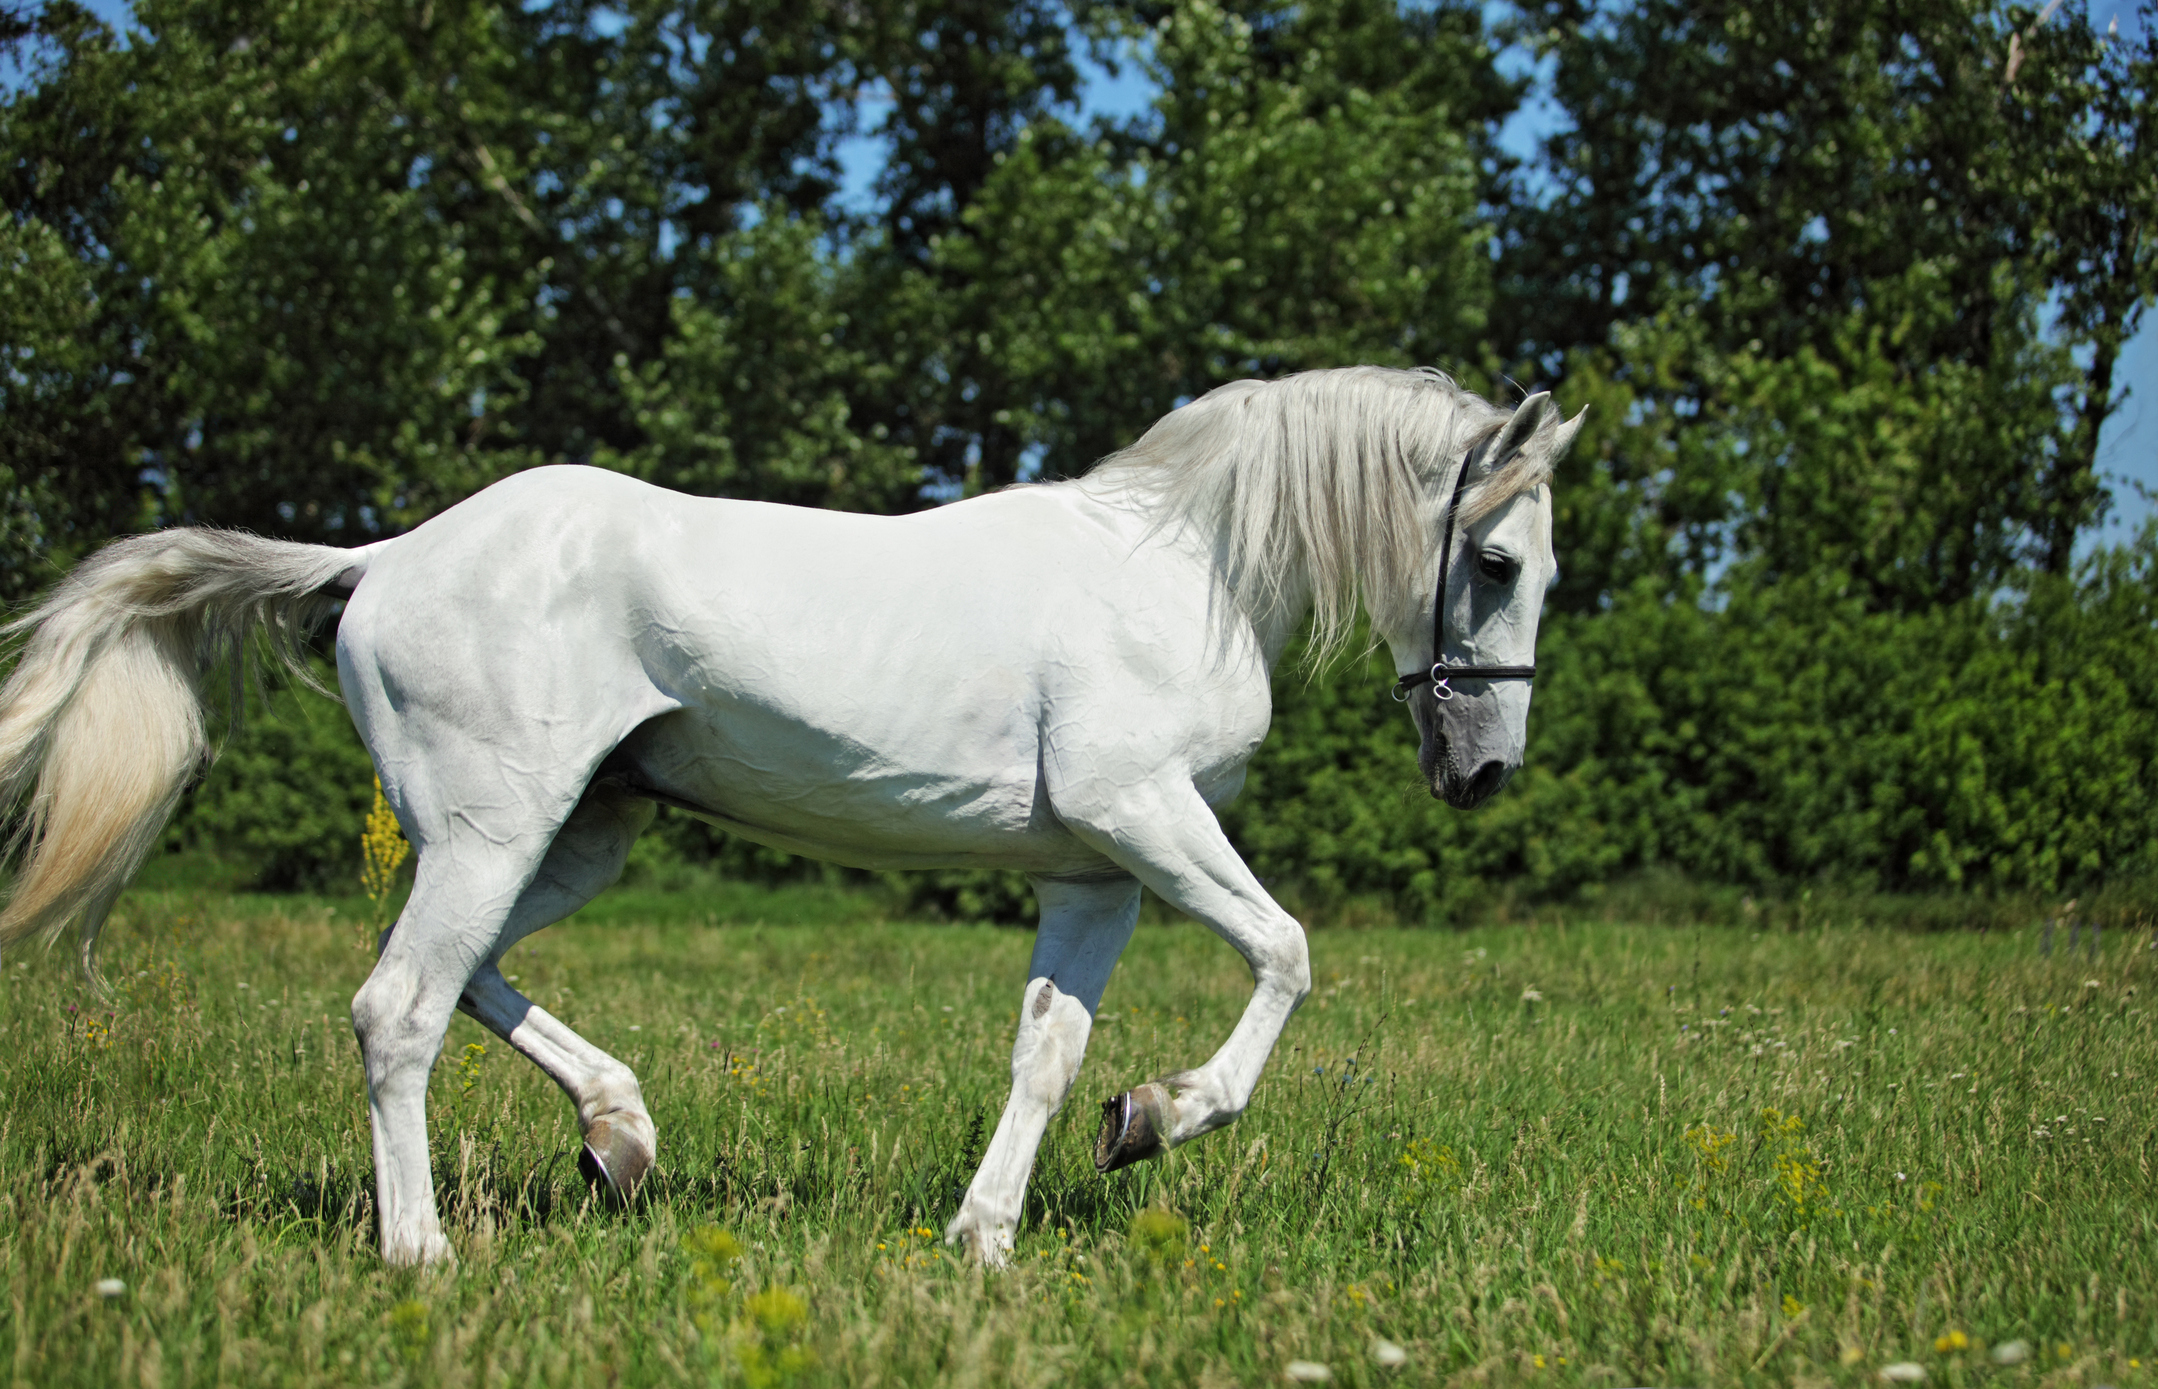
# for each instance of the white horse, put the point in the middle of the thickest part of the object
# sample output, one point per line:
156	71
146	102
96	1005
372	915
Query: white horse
1066	679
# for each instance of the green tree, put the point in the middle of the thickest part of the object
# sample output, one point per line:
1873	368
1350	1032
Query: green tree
753	393
1858	193
1306	193
320	267
251	311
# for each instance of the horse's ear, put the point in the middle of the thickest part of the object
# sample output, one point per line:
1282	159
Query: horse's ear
1528	417
1564	439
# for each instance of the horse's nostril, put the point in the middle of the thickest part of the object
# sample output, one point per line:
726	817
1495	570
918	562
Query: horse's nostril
1487	781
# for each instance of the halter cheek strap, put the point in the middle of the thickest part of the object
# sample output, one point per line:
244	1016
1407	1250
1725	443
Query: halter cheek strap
1441	669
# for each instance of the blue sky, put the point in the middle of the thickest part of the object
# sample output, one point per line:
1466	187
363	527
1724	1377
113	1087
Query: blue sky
2128	450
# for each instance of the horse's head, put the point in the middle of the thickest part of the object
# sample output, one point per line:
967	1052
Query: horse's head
1496	511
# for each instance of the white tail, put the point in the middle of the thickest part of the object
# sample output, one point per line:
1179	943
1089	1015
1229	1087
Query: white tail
101	721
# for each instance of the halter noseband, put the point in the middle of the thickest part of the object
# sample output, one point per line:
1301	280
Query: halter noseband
1441	670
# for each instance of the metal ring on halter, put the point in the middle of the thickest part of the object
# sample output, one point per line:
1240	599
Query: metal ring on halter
1440	690
1401	692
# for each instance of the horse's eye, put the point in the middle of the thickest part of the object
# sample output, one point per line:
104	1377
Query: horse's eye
1495	567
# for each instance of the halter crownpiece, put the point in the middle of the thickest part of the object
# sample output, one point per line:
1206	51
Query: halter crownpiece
1441	669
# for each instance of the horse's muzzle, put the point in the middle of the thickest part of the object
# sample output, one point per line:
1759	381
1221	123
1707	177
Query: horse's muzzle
1440	758
1466	793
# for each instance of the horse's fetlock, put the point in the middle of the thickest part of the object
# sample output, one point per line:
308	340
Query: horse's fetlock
612	1091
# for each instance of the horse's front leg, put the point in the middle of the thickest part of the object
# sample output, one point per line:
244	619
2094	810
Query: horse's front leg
1166	835
1084	927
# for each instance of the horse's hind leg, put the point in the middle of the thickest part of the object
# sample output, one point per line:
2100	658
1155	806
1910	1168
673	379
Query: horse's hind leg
585	859
462	895
1084	927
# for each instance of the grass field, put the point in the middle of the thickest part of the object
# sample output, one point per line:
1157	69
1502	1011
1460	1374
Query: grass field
1563	1154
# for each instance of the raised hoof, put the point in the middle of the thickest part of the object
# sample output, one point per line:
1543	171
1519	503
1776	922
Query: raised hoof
614	1159
1129	1132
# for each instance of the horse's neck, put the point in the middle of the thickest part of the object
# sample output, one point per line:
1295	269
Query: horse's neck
1274	629
1207	554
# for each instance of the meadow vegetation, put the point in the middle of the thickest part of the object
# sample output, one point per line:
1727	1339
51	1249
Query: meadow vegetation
1551	1153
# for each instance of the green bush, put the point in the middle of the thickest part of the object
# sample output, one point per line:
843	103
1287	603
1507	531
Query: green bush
1786	737
285	800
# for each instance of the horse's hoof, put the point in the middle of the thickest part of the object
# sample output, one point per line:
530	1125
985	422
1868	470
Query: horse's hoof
615	1158
428	1249
988	1245
1129	1130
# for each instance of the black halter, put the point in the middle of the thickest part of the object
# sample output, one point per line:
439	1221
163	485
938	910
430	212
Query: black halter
1441	670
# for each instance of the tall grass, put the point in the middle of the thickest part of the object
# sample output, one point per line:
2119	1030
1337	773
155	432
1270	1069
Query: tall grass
1569	1154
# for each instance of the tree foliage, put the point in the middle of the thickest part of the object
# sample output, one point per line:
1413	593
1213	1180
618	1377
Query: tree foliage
1844	285
1758	206
1305	194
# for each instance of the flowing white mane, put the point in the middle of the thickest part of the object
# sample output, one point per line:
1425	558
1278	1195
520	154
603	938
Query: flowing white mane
1323	487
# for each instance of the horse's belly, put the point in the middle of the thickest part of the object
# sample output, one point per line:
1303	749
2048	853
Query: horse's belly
825	795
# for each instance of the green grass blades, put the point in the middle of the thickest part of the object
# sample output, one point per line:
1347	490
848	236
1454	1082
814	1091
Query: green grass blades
1596	1155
